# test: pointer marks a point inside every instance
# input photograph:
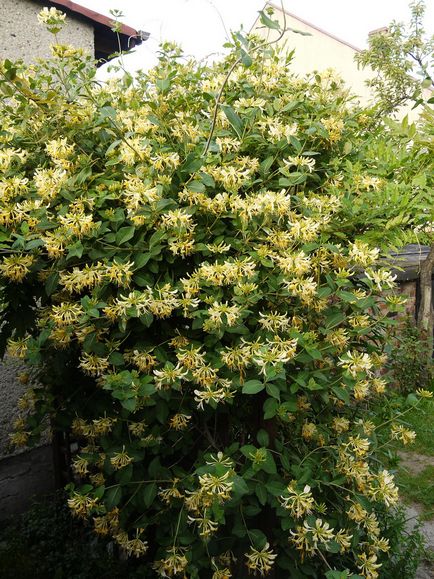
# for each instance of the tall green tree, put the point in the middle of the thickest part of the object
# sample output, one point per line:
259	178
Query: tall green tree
402	57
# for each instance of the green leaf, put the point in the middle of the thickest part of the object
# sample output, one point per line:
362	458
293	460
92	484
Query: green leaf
269	466
107	112
163	84
348	147
149	493
196	187
333	547
243	40
347	296
141	280
192	163
252	510
240	487
265	166
273	390
298	31
113	161
261	493
129	404
156	238
275	488
292	179
290	106
113	497
289	406
270	408
116	359
125	234
262	437
258	538
32	244
334	320
266	21
75	250
83	175
295	143
233	119
412	400
208	180
142	259
99	492
341	393
420	180
312	385
337	574
51	283
161	411
124	475
248	449
239	529
253	387
314	353
246	59
147	319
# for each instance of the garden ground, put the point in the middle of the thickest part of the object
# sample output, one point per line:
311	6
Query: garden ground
415	477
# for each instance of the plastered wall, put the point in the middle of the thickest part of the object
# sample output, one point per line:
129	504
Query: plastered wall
22	37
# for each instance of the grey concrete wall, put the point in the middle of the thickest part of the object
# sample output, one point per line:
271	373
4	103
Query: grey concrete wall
28	473
21	35
10	391
24	477
24	474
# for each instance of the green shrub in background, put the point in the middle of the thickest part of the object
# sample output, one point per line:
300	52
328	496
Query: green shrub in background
408	359
47	542
200	294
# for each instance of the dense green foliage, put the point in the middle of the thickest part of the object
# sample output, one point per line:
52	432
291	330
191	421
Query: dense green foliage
46	541
408	359
206	307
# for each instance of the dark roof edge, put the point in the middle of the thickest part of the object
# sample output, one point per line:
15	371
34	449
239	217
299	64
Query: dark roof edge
96	17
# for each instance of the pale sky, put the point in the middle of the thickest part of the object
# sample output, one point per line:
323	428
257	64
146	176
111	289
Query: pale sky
200	26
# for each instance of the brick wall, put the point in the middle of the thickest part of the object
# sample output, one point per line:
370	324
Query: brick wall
408	288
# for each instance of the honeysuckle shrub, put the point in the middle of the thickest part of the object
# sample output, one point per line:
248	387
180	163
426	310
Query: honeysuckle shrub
206	318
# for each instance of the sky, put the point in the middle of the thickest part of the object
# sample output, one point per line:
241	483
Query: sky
201	26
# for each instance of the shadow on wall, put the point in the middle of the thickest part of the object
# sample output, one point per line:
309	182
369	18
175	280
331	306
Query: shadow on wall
23	474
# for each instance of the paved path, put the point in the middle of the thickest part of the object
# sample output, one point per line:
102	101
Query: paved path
416	463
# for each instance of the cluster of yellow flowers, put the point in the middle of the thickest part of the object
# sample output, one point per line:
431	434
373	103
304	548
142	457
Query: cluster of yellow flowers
16	267
93	275
160	302
174	563
59	150
48	182
236	175
260	560
334	127
298	503
51	16
9	156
